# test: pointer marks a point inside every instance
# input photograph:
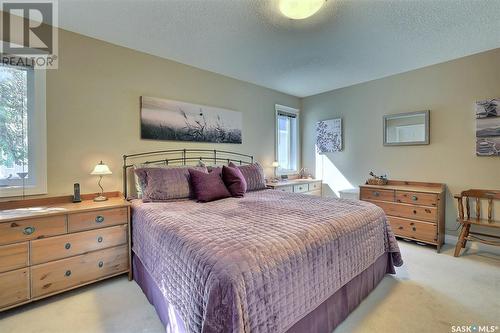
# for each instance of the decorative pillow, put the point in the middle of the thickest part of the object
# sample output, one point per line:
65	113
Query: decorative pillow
254	175
234	180
163	184
208	186
139	183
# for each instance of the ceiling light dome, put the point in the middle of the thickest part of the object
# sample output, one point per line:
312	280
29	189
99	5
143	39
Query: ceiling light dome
300	9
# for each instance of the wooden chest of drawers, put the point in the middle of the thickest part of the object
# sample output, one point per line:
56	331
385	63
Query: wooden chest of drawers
415	210
59	246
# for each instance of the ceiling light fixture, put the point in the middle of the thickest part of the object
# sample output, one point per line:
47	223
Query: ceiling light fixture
300	9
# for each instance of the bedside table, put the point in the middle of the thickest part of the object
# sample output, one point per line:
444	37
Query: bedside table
51	245
306	186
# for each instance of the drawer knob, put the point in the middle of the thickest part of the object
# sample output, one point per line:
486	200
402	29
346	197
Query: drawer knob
414	229
414	211
99	219
67	246
100	264
414	198
400	228
68	273
28	230
377	194
99	239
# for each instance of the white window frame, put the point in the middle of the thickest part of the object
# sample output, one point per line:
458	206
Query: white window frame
286	109
37	140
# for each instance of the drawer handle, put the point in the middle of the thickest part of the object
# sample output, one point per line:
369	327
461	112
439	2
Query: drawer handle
400	228
377	194
28	230
414	229
68	273
414	198
100	264
99	219
99	239
67	246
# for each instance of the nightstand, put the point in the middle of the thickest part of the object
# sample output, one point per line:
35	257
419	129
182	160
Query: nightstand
51	245
306	186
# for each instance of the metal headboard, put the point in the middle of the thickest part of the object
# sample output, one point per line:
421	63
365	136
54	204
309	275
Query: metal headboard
181	157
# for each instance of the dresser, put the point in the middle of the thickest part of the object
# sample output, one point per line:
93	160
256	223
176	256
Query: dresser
50	245
415	210
305	186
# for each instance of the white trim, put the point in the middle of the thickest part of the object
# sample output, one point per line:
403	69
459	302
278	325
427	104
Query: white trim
476	246
38	137
286	109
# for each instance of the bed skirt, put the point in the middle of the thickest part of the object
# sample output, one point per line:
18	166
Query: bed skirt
323	319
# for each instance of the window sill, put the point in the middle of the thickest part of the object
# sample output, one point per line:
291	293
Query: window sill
16	191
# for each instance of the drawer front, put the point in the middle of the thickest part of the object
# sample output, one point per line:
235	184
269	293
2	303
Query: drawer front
66	273
408	211
316	193
23	230
315	186
376	194
414	229
13	256
285	188
59	247
301	188
416	198
14	287
97	219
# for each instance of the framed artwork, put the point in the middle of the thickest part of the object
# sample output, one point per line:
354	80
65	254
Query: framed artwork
329	136
163	119
488	127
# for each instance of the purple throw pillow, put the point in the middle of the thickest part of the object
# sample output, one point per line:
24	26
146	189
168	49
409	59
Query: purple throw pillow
163	184
254	175
208	186
234	180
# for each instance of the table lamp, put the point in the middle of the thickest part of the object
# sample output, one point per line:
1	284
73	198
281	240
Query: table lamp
100	170
275	165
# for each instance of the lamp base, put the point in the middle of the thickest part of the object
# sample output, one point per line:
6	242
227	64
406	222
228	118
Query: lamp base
100	198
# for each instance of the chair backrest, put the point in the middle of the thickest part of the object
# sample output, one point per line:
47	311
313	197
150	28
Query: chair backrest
478	195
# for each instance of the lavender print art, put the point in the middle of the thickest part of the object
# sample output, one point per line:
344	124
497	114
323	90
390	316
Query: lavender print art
329	136
163	119
488	127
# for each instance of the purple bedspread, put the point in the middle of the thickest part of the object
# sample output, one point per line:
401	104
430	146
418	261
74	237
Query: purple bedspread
258	263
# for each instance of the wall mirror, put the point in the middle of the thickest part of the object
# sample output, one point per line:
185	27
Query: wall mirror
406	129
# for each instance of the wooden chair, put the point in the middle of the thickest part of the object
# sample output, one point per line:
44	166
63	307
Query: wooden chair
466	221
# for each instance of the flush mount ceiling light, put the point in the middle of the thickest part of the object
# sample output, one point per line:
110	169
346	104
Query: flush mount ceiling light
300	9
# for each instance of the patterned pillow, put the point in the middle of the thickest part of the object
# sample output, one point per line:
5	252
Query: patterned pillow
254	176
163	184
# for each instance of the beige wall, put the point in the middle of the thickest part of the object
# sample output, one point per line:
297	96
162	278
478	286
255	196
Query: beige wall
449	90
93	109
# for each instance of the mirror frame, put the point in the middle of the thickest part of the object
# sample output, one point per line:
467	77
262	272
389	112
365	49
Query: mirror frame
426	141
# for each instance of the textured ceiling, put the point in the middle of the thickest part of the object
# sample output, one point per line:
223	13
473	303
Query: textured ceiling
347	42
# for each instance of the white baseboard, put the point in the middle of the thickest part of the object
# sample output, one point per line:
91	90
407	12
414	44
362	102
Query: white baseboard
452	240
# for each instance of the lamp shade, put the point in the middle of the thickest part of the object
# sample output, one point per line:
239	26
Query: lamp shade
275	164
101	169
300	9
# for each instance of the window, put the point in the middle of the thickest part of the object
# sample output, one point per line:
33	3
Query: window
287	139
22	131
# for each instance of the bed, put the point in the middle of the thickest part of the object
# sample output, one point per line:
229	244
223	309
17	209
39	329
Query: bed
268	262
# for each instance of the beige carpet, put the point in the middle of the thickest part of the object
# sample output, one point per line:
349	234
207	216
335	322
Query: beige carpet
430	293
